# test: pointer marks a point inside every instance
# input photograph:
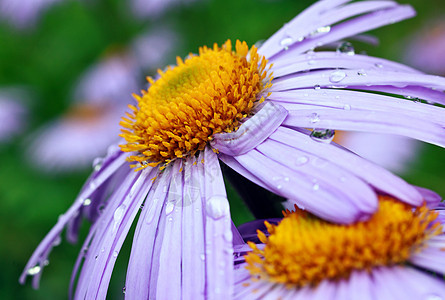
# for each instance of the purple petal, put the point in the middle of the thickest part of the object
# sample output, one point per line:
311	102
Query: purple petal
323	172
352	100
218	233
146	236
252	132
373	174
115	223
369	121
432	257
431	198
316	197
333	60
389	286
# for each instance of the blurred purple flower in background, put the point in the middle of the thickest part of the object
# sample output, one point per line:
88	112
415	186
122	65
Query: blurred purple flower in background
13	115
101	97
182	246
155	8
23	13
427	47
390	256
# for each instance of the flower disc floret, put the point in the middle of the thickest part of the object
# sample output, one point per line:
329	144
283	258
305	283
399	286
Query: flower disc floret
203	95
304	250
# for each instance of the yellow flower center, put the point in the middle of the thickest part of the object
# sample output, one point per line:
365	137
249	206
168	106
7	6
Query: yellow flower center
205	94
304	250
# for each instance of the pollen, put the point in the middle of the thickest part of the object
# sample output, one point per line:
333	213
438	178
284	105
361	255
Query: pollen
303	250
202	95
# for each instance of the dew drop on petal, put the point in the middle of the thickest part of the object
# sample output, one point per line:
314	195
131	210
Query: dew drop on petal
115	254
346	48
119	213
301	160
316	187
34	270
217	207
97	163
361	73
279	187
286	42
57	241
347	107
169	207
323	135
124	290
317	87
202	256
378	65
86	202
315	118
337	76
320	31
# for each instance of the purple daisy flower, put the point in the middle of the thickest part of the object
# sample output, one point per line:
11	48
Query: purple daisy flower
92	122
224	103
13	114
425	50
154	8
390	256
23	13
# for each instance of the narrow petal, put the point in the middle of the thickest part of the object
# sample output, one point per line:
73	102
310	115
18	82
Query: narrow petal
333	60
252	132
316	197
390	122
378	177
218	235
148	232
431	258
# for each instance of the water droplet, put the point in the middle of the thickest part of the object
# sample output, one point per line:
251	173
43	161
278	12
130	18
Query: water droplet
311	62
217	207
286	42
96	257
115	254
378	65
86	202
97	163
361	73
203	257
101	208
119	213
57	241
323	135
169	207
142	206
301	160
102	250
124	290
346	48
316	187
337	76
320	31
34	270
347	107
170	219
315	118
85	250
286	179
317	87
46	262
279	187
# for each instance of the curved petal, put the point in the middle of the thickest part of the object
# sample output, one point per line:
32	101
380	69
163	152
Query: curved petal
378	177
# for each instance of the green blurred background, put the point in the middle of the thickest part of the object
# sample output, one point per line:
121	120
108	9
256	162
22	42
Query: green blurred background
72	35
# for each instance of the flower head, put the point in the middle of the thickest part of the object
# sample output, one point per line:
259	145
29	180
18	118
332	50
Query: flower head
210	107
304	255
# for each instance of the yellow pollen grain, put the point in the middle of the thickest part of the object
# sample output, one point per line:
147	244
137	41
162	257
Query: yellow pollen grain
304	250
203	95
